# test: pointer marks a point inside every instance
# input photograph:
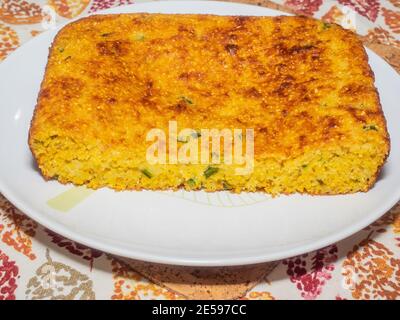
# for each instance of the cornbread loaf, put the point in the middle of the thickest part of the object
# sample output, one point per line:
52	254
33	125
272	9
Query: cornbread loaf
303	86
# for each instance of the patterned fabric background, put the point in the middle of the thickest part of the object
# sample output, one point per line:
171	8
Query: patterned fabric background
35	263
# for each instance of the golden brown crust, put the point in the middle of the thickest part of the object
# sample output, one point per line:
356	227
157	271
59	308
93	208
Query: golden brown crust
305	85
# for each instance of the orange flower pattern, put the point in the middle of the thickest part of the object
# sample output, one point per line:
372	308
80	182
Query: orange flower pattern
334	15
383	36
259	295
396	3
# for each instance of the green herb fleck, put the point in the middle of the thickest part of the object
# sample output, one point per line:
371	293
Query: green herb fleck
304	166
191	182
182	139
370	127
187	100
147	173
67	58
210	171
226	185
106	34
321	182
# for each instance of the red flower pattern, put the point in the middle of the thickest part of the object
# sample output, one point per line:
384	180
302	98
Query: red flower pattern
8	274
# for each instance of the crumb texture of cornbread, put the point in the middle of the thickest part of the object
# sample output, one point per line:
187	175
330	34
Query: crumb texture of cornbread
304	86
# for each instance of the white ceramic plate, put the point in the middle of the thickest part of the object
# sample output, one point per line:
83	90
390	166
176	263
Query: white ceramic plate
188	228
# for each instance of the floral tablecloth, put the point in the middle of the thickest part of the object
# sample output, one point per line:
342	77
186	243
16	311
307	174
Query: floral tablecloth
36	263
